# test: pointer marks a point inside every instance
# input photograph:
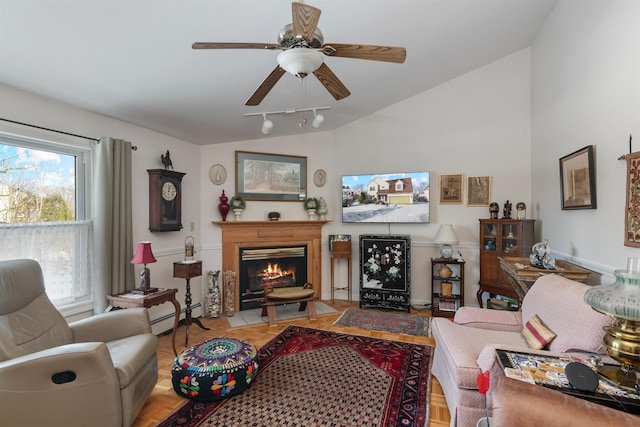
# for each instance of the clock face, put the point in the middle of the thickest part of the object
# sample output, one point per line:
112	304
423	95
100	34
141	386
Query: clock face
169	191
320	177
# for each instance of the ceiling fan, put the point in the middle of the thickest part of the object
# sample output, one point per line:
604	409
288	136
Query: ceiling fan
302	46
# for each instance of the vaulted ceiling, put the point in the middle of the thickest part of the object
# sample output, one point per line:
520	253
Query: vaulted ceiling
132	59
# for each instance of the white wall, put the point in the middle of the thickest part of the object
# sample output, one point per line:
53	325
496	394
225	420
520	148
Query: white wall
586	91
477	124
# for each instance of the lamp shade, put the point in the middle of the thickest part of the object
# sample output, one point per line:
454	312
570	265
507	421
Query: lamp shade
143	255
620	299
446	235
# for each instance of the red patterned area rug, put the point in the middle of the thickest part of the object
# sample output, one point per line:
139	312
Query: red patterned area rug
311	377
399	323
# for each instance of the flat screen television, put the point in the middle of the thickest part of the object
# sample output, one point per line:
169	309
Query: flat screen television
386	197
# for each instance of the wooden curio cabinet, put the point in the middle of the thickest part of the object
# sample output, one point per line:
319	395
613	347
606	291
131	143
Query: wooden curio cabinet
501	238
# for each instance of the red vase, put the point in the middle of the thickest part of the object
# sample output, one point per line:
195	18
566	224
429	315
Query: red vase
223	206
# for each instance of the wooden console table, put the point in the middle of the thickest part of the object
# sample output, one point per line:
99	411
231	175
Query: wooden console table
129	300
522	274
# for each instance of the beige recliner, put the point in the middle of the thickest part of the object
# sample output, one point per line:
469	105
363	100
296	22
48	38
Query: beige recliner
98	371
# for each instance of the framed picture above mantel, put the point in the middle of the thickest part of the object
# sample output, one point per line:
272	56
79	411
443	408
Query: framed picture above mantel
276	177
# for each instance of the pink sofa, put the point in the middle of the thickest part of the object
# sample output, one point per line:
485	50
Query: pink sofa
466	346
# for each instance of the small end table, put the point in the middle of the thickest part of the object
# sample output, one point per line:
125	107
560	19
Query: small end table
187	270
131	300
341	250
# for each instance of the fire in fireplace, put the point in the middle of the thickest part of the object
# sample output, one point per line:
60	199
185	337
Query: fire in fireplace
269	267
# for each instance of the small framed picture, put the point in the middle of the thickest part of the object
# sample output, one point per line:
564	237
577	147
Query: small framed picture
578	180
451	189
478	190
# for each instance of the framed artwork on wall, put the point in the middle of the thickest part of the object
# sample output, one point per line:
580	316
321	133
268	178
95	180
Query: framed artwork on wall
451	189
578	180
632	213
262	176
478	190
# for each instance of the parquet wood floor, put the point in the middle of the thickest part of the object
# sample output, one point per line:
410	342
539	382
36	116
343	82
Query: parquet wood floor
164	400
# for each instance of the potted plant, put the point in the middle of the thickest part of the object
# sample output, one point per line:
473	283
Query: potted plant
237	204
311	206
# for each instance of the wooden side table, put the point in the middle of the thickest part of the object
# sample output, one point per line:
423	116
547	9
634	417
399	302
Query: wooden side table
187	270
341	250
522	274
129	300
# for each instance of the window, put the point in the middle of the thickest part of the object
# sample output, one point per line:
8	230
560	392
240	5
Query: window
43	213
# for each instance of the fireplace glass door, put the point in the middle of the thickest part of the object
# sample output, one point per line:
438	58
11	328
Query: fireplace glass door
276	267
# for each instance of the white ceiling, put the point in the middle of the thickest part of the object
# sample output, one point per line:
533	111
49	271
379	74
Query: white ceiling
132	59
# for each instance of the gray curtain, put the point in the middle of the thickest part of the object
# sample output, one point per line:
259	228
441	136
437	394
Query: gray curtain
111	211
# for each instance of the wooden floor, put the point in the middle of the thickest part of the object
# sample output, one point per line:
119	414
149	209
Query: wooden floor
164	400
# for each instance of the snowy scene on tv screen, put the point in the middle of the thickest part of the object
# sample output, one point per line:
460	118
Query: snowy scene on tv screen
397	197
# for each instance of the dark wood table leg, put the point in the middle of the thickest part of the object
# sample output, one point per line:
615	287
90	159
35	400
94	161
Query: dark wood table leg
187	319
176	322
479	296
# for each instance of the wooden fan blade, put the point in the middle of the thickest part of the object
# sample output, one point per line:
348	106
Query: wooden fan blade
364	51
331	82
207	45
305	20
265	87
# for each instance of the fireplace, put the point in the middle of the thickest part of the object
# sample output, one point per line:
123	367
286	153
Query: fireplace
237	235
275	267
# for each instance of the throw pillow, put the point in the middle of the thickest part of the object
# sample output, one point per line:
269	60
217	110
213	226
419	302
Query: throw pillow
537	334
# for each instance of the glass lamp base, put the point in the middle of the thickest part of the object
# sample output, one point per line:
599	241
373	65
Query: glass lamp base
446	251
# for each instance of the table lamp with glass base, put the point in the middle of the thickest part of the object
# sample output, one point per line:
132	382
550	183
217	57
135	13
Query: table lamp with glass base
144	255
446	237
622	339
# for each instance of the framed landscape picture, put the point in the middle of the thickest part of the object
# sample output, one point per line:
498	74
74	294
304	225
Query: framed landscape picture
451	189
262	176
478	190
578	180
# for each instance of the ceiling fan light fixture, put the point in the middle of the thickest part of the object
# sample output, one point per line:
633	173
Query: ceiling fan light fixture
300	61
267	125
317	120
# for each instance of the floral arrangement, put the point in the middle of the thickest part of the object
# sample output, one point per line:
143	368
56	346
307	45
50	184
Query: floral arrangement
384	262
311	203
237	202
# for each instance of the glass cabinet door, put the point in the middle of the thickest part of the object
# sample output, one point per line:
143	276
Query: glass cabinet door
489	232
510	238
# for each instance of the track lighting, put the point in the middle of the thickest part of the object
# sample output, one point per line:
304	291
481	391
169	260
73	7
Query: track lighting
318	119
267	125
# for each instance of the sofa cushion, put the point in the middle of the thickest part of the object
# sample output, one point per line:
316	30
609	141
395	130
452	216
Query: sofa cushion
498	320
559	302
537	334
460	346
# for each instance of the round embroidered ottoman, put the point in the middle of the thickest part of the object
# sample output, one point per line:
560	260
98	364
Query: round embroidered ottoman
214	369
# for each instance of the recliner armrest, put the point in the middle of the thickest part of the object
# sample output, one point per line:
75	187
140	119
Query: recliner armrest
496	320
85	389
112	326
